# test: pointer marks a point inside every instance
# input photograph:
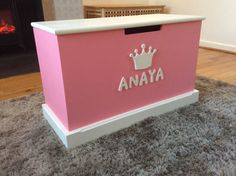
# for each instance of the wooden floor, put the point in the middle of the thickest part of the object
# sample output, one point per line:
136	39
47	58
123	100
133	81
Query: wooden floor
217	65
212	64
20	85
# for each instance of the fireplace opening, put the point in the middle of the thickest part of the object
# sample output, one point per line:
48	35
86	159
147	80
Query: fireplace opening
6	23
8	31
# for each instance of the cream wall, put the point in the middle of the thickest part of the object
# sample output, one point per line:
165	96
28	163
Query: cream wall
219	28
68	9
62	9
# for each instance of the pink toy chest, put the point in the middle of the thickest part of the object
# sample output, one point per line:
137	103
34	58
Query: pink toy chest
81	72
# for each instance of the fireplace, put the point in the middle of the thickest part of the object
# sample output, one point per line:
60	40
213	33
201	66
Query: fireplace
15	19
17	47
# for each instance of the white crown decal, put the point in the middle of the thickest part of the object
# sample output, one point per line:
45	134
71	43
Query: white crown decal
143	60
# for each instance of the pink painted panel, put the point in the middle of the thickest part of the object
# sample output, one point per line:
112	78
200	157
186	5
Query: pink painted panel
94	63
51	73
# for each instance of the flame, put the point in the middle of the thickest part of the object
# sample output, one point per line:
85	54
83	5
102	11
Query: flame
6	28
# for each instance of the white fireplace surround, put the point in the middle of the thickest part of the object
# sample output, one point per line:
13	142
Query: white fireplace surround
62	9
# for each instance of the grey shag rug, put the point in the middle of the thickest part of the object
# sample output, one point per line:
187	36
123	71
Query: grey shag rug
196	140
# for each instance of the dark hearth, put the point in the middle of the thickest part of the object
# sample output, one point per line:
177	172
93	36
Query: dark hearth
16	35
20	63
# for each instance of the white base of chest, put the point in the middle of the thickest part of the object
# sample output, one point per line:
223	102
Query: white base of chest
90	132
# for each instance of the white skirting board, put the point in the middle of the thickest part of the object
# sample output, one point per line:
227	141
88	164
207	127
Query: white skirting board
87	133
219	46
